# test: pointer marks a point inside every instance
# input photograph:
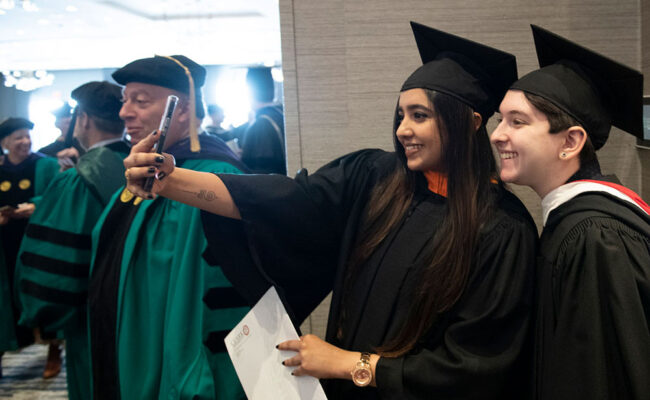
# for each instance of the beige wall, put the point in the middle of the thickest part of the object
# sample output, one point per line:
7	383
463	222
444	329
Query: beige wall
344	63
644	154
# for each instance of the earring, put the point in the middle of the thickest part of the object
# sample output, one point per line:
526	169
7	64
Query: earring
563	155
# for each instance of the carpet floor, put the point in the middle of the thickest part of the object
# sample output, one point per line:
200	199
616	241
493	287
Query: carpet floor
22	378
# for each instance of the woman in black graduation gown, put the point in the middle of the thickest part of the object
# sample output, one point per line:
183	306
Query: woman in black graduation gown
430	260
592	336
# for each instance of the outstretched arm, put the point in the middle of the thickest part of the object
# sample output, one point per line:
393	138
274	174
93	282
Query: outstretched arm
197	189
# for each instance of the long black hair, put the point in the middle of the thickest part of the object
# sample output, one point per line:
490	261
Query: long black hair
469	164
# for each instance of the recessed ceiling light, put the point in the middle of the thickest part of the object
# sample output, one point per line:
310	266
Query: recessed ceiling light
2	12
71	8
29	6
43	21
7	4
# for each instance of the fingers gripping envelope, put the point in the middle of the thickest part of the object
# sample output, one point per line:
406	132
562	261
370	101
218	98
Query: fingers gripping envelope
251	346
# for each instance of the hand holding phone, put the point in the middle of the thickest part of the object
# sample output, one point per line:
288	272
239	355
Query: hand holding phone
166	120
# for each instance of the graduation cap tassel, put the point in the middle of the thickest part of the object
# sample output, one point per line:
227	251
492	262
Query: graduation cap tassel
195	146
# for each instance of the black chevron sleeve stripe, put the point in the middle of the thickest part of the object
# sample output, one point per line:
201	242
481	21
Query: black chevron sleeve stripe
58	236
215	342
223	297
54	266
53	295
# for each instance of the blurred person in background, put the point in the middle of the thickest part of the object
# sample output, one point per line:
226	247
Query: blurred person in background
63	119
216	118
262	144
58	237
24	175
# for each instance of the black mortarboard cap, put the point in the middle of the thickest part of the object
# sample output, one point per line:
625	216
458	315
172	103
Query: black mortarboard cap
11	125
64	111
99	99
595	90
471	72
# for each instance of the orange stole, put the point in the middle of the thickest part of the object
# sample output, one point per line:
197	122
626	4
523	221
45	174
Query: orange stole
437	182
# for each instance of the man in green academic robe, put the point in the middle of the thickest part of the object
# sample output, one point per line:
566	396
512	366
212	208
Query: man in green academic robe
158	312
54	259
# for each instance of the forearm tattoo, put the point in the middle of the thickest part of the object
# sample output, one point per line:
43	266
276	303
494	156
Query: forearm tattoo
206	195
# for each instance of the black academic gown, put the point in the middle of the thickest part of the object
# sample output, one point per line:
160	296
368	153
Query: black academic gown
300	232
20	183
53	148
593	324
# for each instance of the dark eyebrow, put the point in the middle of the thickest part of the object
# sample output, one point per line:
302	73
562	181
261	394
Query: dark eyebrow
415	107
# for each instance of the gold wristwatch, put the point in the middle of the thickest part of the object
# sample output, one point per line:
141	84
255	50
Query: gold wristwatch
362	373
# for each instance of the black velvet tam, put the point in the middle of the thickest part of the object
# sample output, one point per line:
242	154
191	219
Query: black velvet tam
11	125
595	90
99	99
161	71
64	111
473	73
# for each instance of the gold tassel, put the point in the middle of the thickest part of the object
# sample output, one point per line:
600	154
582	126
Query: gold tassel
195	146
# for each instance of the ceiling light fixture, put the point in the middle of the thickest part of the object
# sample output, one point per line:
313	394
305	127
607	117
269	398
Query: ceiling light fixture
7	4
27	80
27	5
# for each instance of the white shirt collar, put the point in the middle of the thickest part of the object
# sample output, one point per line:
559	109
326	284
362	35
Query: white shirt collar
104	143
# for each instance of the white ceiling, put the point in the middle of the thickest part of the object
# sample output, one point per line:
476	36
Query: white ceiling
80	34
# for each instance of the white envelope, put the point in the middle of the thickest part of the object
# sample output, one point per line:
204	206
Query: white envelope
251	346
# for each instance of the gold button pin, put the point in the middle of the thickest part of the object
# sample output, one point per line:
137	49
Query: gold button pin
24	184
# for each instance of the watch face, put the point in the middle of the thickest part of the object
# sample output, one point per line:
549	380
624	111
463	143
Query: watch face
362	377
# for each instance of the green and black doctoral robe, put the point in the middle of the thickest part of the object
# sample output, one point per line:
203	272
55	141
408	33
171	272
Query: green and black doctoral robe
300	233
54	260
158	312
22	183
593	318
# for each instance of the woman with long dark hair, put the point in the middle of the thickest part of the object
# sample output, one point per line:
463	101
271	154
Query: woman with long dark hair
429	258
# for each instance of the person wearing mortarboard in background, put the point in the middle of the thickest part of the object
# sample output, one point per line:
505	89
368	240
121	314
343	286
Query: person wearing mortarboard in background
57	239
63	117
262	143
431	261
593	319
24	175
158	312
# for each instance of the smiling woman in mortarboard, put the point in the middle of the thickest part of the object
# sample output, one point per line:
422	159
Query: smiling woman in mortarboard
593	321
429	258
